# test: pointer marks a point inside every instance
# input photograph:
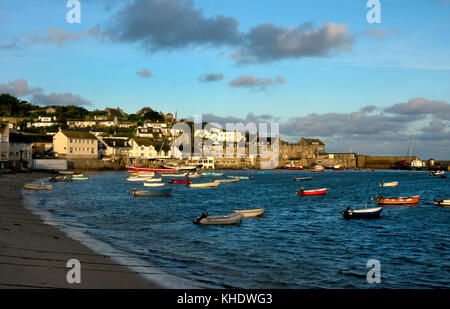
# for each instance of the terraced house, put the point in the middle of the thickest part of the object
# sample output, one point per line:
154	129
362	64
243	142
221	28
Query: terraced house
4	144
75	144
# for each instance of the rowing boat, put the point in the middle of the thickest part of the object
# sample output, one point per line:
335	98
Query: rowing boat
139	178
154	192
154	184
212	174
312	192
389	184
302	178
442	202
369	213
181	181
37	187
153	179
80	178
195	175
240	177
205	219
248	213
204	184
399	201
227	180
174	175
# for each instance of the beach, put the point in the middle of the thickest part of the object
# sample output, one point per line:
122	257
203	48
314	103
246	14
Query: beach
34	254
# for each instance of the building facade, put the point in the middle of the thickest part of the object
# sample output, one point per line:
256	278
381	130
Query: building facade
75	144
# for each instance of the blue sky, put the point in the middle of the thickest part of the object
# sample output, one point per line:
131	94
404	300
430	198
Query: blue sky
404	57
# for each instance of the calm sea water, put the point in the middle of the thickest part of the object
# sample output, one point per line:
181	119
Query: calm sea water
300	242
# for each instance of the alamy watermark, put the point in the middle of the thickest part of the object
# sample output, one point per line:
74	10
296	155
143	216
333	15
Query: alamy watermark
374	15
74	274
74	14
251	140
374	274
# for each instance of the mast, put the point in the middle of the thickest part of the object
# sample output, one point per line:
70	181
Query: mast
411	147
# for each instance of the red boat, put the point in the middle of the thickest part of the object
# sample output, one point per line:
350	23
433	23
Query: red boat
291	166
317	171
176	182
399	201
312	192
151	169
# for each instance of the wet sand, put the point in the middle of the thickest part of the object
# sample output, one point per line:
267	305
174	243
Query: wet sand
34	254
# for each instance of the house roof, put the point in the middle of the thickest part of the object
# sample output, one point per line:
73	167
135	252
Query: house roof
78	134
142	141
36	138
313	141
19	138
115	142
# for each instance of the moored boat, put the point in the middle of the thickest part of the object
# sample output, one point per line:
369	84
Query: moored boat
154	184
137	178
30	186
195	175
151	169
65	172
303	192
60	178
204	184
212	174
389	184
302	178
292	166
181	181
240	177
442	202
398	201
263	172
205	219
369	213
154	192
80	178
227	180
174	175
249	213
153	179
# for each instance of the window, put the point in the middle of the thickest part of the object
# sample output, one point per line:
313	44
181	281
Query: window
71	150
92	150
71	140
4	139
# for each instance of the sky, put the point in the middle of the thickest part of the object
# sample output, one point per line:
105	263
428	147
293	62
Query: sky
318	68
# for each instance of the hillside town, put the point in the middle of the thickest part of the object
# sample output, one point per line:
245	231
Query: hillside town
70	137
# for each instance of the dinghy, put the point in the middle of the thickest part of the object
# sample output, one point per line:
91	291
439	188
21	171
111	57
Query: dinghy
204	184
174	175
80	178
154	184
153	179
212	174
240	177
399	201
30	186
389	184
205	219
137	178
302	178
249	213
195	175
369	213
227	180
303	192
154	192
442	202
183	181
60	178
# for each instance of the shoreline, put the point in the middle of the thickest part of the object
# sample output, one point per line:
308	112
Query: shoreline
34	254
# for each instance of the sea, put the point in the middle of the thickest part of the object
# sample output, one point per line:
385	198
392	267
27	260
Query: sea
300	242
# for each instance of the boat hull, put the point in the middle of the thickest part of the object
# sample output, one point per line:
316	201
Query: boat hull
371	213
302	178
150	169
312	192
445	203
249	213
400	201
37	187
176	182
204	185
221	220
155	192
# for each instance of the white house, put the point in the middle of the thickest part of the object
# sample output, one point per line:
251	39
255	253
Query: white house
146	148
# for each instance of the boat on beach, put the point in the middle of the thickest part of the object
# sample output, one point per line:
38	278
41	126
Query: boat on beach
249	213
389	184
368	213
444	203
204	184
30	186
205	219
154	192
398	201
303	192
302	178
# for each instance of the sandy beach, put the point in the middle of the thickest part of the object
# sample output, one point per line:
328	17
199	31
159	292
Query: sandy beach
34	254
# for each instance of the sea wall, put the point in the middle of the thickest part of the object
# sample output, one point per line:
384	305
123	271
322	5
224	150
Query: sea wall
381	162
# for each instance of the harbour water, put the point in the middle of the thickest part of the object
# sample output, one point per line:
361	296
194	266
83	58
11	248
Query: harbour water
299	242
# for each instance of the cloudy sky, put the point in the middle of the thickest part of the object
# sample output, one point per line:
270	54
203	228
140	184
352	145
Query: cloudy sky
316	67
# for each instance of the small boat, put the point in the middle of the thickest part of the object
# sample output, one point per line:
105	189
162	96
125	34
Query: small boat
436	173
77	175
227	180
60	178
240	177
292	166
154	184
137	178
80	178
442	202
370	170
204	184
303	192
153	179
154	192
212	174
302	178
399	201
65	173
369	213
181	181
248	213
195	175
389	184
318	169
30	186
174	175
205	219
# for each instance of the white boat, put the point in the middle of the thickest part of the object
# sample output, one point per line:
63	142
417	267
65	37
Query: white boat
154	184
389	184
137	178
174	175
195	175
442	203
248	213
204	184
153	179
29	186
205	219
227	180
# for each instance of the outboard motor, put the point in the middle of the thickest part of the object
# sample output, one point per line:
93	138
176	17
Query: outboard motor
198	219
